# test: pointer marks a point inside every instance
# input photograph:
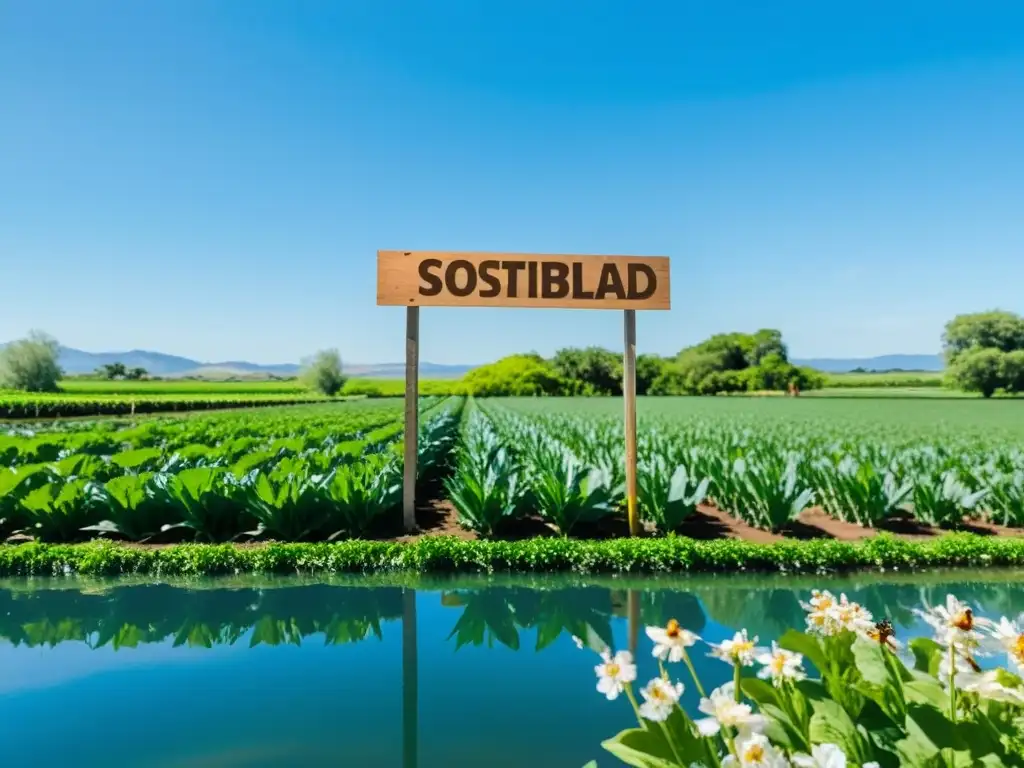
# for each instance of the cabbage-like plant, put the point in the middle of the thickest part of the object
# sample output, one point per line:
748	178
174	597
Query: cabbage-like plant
567	492
60	510
668	495
769	492
209	501
288	503
862	492
361	493
133	506
944	500
15	484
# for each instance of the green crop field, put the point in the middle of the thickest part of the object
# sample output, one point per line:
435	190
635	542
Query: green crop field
903	379
91	387
319	471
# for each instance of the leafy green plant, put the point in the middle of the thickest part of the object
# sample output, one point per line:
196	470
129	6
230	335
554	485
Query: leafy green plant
209	501
567	492
668	495
867	708
944	500
59	511
361	493
133	506
486	488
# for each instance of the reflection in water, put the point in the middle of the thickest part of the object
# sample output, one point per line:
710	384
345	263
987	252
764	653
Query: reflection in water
297	673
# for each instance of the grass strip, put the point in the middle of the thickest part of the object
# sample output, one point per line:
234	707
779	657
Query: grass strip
540	555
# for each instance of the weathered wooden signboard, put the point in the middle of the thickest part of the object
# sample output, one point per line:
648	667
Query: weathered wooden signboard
415	279
429	279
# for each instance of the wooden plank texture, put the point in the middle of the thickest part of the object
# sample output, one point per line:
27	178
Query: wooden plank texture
552	281
412	416
629	402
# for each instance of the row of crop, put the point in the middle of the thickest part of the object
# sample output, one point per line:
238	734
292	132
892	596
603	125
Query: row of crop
33	407
256	428
324	492
568	469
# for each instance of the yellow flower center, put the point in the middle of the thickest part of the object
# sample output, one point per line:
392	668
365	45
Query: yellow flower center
743	647
753	754
778	664
672	630
964	620
612	669
1018	647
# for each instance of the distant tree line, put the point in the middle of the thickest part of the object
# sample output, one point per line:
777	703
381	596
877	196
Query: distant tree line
734	362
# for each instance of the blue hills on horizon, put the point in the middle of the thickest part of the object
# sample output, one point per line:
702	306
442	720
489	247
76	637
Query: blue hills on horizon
77	361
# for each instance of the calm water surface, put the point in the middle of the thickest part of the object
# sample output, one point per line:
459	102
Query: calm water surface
451	673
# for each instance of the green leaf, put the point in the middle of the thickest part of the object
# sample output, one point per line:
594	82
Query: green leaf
830	724
927	654
808	645
642	748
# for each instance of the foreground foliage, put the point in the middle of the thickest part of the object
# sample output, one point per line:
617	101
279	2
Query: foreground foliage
873	705
444	554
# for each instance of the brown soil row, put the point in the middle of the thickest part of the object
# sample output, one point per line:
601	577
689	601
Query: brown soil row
439	518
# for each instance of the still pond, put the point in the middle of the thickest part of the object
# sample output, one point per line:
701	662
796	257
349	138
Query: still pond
467	672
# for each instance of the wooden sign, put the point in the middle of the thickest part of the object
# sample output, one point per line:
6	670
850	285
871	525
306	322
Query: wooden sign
445	279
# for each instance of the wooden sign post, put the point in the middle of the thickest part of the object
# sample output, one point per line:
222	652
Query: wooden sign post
415	279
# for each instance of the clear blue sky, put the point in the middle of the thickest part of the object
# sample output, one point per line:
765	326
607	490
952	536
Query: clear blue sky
213	178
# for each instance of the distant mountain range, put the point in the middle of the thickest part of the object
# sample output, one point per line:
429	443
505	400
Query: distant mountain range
880	363
77	361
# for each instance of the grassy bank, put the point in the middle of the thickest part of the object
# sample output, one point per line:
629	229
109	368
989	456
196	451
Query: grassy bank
450	555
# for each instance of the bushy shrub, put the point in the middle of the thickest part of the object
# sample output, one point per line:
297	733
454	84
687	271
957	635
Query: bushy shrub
30	364
516	376
323	372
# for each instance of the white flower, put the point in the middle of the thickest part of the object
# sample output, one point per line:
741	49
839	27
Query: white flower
1010	638
818	620
660	696
828	616
756	751
739	650
780	665
961	669
851	616
872	764
671	641
987	686
579	643
614	672
722	709
822	756
955	624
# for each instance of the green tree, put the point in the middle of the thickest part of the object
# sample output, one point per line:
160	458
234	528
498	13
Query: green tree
594	367
1012	371
113	370
31	364
134	374
984	352
323	372
516	376
1003	331
648	369
980	369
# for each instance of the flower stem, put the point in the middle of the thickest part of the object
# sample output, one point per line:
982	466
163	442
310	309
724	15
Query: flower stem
671	743
736	682
693	674
952	694
636	707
